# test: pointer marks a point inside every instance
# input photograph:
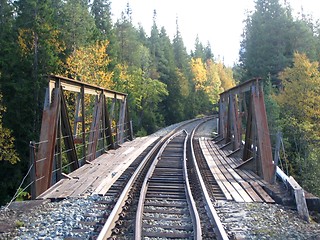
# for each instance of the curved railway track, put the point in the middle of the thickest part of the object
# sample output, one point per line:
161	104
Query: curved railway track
166	207
157	202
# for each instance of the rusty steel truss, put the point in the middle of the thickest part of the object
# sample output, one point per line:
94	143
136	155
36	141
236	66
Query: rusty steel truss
98	121
243	127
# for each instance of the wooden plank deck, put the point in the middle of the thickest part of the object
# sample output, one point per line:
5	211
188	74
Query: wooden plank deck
246	183
99	175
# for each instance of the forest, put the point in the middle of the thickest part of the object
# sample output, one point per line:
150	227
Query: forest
165	83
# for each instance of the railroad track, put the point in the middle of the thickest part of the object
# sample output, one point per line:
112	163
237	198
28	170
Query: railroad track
120	219
164	207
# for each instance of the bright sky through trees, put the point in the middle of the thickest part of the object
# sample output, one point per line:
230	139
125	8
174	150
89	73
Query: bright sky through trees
218	22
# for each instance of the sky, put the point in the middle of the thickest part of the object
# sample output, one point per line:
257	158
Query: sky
219	23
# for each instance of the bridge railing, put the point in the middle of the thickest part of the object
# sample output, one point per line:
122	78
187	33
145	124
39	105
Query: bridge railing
242	116
79	123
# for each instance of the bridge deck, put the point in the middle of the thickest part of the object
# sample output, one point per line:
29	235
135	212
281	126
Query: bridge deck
97	177
237	184
100	174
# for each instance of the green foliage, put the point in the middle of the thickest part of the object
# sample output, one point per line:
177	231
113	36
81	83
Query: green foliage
19	224
300	112
145	94
271	40
78	25
77	38
265	48
8	152
22	195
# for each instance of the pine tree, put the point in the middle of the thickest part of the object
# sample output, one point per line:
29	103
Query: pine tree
101	11
265	48
77	25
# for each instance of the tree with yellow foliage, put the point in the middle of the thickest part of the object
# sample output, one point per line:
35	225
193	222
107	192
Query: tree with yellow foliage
211	78
199	73
213	88
90	64
226	76
300	98
299	102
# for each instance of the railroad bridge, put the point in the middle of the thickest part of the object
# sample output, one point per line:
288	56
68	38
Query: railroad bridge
87	149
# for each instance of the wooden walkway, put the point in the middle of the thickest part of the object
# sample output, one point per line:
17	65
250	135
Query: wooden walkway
98	176
237	184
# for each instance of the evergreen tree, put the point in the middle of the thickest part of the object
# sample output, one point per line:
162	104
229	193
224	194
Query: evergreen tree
208	52
77	24
6	39
127	38
265	48
8	158
199	51
179	99
8	152
101	11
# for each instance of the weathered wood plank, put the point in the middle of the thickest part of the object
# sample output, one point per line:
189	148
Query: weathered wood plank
242	176
221	180
261	192
225	169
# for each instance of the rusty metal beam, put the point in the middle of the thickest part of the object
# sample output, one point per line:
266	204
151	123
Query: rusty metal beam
247	150
122	117
129	124
222	117
68	135
235	122
228	121
48	135
95	129
107	126
257	145
75	86
242	88
264	143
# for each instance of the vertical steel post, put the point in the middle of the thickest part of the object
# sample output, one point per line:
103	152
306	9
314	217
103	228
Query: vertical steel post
108	129
48	134
221	117
33	179
264	143
234	122
95	128
83	125
229	120
277	153
58	157
247	151
122	114
68	135
129	122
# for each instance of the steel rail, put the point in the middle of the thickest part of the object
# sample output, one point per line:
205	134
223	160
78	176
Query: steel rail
219	229
110	223
191	203
138	225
